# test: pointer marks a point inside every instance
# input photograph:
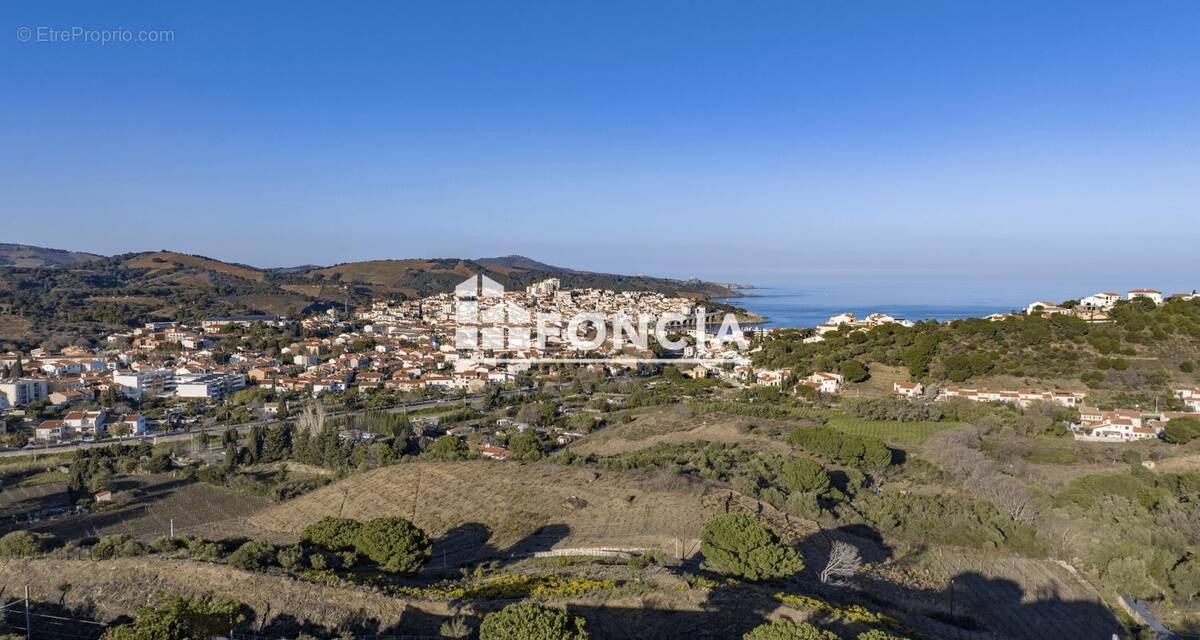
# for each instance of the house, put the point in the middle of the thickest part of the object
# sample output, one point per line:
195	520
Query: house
133	424
908	389
89	424
1045	307
495	453
1190	397
1102	300
50	431
1120	425
104	496
824	382
1153	294
69	396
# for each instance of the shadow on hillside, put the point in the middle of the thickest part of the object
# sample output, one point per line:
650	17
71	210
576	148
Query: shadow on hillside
972	606
470	543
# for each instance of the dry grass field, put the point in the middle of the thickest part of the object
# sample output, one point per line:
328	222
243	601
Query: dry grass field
503	507
676	424
118	587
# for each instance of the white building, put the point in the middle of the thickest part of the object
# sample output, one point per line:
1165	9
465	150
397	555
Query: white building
1102	300
908	389
1190	397
19	393
1153	294
150	383
824	382
208	385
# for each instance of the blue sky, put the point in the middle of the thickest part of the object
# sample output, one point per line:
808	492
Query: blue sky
771	142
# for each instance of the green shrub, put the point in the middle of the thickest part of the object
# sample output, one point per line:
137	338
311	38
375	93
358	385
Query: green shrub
1181	430
25	544
801	475
332	534
842	447
290	558
531	621
738	545
788	630
252	556
118	545
395	544
181	617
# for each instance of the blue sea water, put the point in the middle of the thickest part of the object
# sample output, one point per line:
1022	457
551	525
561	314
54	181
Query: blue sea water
810	307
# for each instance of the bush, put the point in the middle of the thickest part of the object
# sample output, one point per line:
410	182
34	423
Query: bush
181	617
332	534
841	447
531	621
290	558
117	546
395	544
876	634
1181	430
738	545
449	447
801	475
252	556
788	630
854	371
25	544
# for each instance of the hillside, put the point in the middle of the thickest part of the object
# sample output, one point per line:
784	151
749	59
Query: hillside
63	297
423	277
516	507
1135	359
30	257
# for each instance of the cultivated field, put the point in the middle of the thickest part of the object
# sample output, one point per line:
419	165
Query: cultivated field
196	508
894	433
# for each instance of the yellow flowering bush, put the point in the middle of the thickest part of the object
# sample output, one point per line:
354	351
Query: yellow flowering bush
853	613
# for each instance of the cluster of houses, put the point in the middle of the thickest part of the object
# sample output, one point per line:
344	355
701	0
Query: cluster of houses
842	320
1095	308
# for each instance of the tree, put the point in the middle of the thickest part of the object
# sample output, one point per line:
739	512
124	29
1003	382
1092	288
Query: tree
844	562
738	545
1185	578
523	446
1181	430
788	630
449	447
24	544
395	544
332	534
531	621
854	371
182	617
802	475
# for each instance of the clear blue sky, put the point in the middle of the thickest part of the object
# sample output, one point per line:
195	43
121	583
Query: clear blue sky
765	141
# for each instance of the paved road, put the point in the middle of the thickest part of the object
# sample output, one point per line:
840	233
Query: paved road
178	436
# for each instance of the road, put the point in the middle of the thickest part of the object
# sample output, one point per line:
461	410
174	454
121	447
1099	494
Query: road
178	436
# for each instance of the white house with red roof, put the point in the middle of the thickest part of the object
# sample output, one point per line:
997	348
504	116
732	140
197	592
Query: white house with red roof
908	389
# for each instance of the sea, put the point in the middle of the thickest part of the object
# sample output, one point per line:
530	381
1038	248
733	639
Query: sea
795	307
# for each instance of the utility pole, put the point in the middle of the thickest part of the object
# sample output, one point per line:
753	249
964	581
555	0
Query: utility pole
28	623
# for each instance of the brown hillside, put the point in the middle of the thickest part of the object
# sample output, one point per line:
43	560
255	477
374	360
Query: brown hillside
524	507
161	260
